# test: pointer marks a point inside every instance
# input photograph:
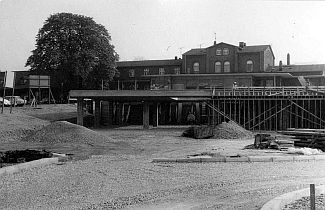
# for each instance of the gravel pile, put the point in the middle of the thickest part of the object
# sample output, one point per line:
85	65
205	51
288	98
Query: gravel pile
65	132
15	126
231	130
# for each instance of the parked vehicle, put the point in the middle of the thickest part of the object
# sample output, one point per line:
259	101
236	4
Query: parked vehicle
16	100
6	102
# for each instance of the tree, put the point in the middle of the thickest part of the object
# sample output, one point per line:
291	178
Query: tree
75	51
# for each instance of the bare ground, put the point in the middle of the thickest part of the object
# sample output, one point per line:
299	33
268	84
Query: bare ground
125	178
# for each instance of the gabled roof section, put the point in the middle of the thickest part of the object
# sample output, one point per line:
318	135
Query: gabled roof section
197	51
222	43
255	48
170	62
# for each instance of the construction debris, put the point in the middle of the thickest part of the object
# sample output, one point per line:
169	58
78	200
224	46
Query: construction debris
304	151
312	138
266	141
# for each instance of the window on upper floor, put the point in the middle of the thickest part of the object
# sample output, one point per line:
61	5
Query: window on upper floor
226	66
225	51
196	67
177	70
146	72
217	67
218	51
131	73
161	71
249	66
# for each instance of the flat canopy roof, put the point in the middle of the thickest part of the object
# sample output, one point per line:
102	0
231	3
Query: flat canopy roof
141	95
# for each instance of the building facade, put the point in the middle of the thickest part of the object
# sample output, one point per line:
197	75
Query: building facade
220	65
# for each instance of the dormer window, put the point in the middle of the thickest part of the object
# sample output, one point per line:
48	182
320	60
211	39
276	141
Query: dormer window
225	51
218	51
131	73
146	72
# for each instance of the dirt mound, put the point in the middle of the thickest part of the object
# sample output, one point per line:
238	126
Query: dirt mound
231	130
65	132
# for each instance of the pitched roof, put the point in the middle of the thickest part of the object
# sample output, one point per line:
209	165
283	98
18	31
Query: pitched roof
170	62
254	48
197	51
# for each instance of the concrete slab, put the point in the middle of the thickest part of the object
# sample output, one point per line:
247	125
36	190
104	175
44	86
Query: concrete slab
282	158
214	159
237	159
260	159
303	158
32	164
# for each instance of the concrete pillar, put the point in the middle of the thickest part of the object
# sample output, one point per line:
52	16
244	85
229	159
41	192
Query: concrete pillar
103	113
198	113
97	113
155	119
145	115
110	113
179	112
80	117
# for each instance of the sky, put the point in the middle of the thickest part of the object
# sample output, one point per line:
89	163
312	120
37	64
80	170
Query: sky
163	29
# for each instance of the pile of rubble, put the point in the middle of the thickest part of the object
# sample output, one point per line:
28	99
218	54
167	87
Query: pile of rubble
231	130
225	130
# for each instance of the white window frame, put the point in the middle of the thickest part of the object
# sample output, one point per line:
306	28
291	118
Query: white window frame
226	64
161	71
131	73
215	67
177	70
196	67
249	66
218	51
146	71
225	51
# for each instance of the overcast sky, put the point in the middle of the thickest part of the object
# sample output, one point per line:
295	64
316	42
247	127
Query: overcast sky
162	29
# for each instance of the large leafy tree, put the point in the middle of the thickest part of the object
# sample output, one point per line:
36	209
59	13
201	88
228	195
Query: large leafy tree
75	51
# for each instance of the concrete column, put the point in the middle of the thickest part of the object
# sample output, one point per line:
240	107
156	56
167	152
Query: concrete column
145	115
155	119
110	113
179	112
198	112
97	113
80	117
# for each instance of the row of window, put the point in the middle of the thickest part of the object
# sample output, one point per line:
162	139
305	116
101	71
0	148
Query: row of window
196	68
147	71
224	51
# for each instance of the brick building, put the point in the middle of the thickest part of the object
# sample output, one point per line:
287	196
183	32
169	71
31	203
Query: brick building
220	65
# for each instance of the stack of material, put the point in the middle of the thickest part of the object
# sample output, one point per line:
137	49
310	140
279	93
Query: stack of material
266	141
199	132
312	138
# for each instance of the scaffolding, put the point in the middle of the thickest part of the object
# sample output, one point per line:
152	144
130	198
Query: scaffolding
269	108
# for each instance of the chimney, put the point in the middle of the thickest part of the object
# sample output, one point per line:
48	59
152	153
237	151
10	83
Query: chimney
288	59
175	57
215	42
280	65
242	45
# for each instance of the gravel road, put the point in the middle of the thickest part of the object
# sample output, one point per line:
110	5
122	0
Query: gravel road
128	181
